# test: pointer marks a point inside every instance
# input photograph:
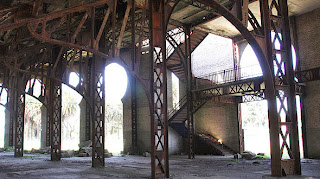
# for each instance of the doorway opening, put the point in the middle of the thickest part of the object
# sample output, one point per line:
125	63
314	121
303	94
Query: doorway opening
116	86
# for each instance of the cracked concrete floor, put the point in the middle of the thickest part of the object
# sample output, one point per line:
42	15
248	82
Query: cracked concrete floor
40	166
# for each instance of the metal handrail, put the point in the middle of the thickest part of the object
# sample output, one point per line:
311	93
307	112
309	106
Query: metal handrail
178	106
228	75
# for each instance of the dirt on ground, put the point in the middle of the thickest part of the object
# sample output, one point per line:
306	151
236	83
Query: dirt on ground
205	166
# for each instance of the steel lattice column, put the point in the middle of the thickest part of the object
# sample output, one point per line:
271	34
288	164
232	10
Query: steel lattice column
55	105
98	112
283	119
189	94
159	124
19	112
87	90
55	118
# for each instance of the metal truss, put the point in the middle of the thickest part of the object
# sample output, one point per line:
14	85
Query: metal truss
308	75
159	123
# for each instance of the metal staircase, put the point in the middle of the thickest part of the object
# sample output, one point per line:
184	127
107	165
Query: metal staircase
176	50
211	87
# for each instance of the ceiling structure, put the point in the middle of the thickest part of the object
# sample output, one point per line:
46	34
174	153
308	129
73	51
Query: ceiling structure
204	18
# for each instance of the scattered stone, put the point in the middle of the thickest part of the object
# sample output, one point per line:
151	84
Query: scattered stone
261	154
83	155
107	155
247	155
67	154
146	154
256	162
85	144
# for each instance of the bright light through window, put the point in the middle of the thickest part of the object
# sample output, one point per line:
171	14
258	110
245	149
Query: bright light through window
116	83
74	79
36	87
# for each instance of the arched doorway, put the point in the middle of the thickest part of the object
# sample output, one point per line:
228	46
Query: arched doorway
70	121
116	85
32	115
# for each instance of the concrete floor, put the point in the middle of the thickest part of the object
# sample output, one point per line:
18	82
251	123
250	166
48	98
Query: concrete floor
40	166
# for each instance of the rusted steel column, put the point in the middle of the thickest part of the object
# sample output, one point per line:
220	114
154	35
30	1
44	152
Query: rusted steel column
55	105
55	120
274	126
158	89
98	112
19	112
189	94
291	116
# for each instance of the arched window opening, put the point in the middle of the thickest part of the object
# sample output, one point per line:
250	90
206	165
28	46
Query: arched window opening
32	115
116	85
32	123
70	122
249	64
74	79
33	87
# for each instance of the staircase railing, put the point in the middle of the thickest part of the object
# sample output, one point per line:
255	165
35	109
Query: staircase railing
175	38
228	75
178	106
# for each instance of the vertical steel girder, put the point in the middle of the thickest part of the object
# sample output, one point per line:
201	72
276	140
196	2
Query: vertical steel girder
98	112
190	121
55	101
159	124
55	120
19	112
275	19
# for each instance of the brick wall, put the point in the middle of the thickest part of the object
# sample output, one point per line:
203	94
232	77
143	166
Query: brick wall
308	37
220	120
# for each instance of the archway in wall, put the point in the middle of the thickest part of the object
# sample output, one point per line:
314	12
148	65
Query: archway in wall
3	101
32	116
70	122
116	85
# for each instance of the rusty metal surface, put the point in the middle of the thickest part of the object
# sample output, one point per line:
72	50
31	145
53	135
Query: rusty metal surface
158	86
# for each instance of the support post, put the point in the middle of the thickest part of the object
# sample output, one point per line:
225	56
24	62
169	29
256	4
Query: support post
19	112
158	89
98	112
275	19
134	122
291	93
55	120
274	127
55	106
189	94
